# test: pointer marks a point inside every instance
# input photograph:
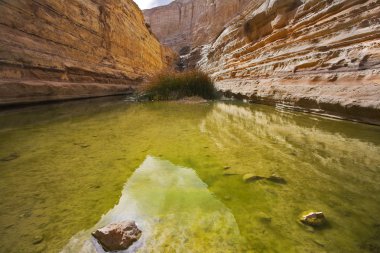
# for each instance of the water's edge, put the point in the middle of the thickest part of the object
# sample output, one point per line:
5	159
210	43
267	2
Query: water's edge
359	114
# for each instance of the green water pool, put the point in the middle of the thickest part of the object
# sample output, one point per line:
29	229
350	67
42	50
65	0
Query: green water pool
177	170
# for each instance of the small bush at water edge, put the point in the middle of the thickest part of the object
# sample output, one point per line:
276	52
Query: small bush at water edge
172	86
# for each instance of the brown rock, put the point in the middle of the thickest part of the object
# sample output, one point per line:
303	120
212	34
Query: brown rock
252	178
119	236
314	219
230	173
10	157
276	179
37	240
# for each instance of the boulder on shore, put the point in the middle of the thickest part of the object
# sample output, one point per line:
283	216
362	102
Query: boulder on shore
118	236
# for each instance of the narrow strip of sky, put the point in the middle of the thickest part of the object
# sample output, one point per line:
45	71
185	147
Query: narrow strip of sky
147	4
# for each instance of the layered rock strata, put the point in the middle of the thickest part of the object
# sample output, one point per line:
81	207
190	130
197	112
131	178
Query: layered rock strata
184	24
74	48
320	54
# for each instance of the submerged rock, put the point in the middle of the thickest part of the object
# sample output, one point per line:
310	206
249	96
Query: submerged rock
10	157
276	179
227	173
252	178
227	197
118	236
37	240
314	219
82	145
264	218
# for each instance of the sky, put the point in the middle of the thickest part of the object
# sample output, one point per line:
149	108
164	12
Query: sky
147	4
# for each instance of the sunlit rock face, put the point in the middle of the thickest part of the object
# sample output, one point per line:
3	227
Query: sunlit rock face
190	23
174	209
102	43
316	53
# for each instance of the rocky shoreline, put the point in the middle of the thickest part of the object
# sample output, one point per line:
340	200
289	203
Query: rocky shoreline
15	93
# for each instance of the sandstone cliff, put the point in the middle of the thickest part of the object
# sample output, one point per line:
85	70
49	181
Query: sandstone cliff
320	54
190	23
73	48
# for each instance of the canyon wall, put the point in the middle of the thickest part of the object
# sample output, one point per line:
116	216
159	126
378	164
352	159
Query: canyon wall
317	54
190	23
74	48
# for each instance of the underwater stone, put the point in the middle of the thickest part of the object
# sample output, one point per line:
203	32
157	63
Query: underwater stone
230	173
118	236
263	217
82	145
37	240
227	197
10	157
252	178
314	219
276	179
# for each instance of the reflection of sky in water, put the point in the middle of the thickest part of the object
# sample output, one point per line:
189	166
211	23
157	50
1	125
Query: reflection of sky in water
173	208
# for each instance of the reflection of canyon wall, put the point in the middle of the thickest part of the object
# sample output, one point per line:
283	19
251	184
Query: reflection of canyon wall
311	51
173	208
329	164
231	125
310	145
83	48
192	22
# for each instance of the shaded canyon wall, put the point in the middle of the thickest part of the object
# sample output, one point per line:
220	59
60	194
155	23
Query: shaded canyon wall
74	48
190	23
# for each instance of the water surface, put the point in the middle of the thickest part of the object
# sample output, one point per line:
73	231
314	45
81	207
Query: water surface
67	169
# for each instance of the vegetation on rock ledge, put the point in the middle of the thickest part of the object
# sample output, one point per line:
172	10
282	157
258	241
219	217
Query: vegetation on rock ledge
178	85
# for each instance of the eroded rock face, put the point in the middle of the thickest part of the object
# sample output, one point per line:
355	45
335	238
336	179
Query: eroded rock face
74	42
322	54
190	23
118	236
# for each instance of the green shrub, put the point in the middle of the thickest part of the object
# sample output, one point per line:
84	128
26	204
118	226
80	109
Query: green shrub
172	86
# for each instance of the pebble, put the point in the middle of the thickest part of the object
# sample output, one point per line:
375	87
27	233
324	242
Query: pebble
319	243
230	174
252	178
82	145
37	240
276	179
10	157
227	197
